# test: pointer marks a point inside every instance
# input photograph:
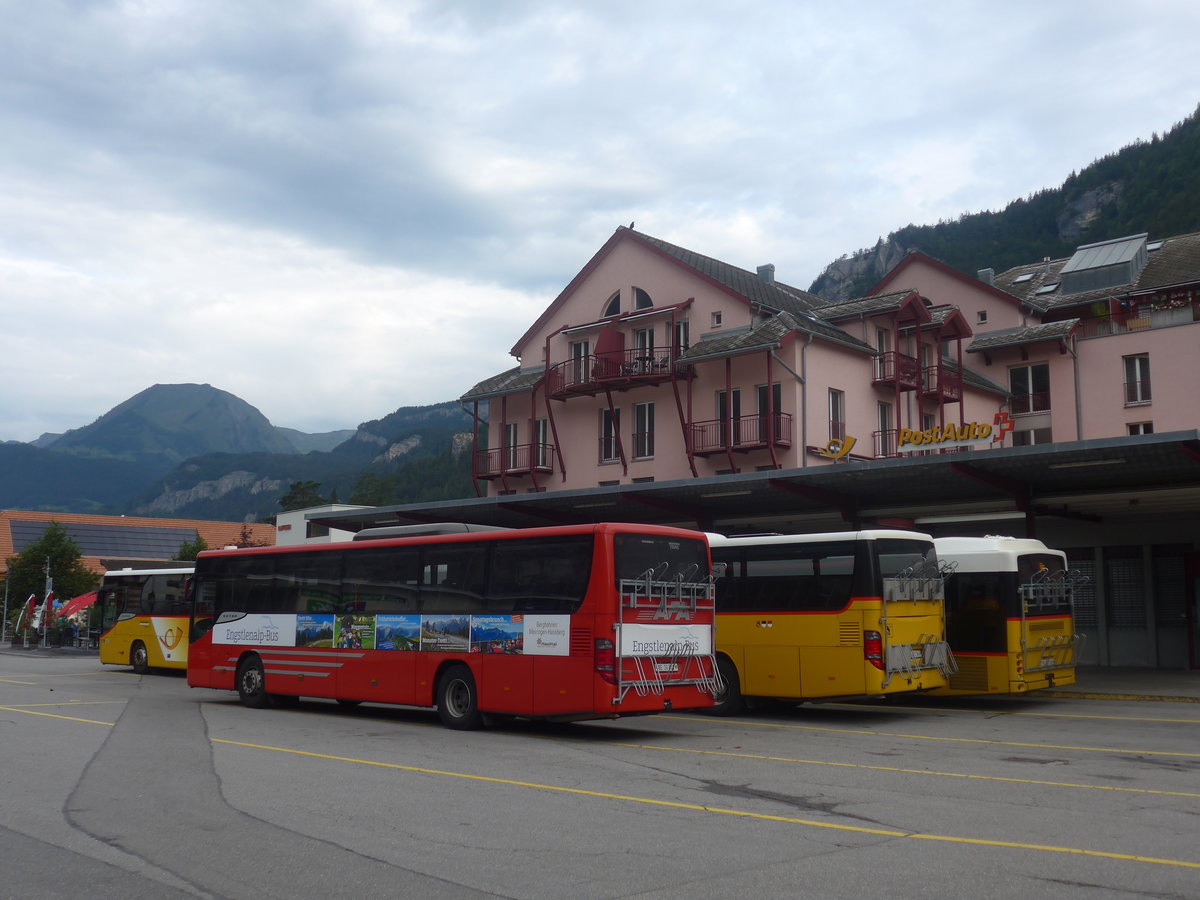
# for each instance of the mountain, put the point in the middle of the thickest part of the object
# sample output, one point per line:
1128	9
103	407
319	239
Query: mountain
168	423
194	451
1150	186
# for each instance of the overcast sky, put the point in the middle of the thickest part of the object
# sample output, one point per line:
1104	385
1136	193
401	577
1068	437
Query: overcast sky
334	208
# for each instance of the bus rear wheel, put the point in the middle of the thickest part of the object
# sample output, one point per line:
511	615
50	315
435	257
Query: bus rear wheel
252	683
457	699
139	658
729	698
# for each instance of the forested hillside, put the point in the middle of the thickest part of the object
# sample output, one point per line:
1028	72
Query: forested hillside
1150	186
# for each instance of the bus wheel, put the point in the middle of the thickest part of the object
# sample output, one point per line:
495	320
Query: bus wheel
252	683
729	697
457	702
139	658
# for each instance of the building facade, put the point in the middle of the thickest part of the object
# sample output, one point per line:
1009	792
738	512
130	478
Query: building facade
659	365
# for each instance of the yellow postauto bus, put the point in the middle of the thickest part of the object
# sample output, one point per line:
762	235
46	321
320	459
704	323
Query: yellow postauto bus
144	618
826	616
1010	614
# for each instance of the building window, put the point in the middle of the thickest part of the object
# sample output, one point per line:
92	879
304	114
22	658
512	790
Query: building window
883	340
981	317
641	300
729	414
643	339
885	437
1141	428
682	337
643	430
837	415
610	424
541	440
579	362
511	453
613	306
1137	379
1030	386
1032	436
716	319
769	423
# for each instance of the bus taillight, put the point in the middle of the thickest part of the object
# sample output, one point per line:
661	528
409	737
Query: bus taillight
606	660
873	649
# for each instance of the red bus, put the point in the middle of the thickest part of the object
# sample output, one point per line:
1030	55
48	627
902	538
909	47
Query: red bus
565	623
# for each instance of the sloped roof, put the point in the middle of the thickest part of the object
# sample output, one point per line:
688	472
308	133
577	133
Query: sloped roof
1175	262
870	305
1025	334
122	537
509	382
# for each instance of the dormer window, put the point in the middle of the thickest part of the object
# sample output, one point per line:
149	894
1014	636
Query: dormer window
641	300
613	306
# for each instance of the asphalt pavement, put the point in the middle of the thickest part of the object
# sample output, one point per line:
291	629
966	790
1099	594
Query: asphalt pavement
1091	682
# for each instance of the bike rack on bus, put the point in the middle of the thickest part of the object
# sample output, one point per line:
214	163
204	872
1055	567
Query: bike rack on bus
651	599
1048	590
920	582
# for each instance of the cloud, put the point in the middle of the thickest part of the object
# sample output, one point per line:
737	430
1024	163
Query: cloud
361	204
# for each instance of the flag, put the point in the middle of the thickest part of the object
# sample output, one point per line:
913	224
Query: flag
30	609
75	604
46	612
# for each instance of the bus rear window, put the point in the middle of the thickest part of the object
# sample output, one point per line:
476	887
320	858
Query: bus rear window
661	558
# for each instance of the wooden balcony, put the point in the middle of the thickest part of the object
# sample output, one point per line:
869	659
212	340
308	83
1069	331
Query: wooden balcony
617	371
741	435
892	368
520	459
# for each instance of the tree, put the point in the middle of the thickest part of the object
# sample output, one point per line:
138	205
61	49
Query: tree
246	538
301	495
189	549
27	571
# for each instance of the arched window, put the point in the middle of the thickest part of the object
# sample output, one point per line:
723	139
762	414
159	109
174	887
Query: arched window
613	306
641	300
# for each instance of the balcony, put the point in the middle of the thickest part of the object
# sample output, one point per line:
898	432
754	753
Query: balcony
620	370
892	369
747	433
943	383
519	459
1161	318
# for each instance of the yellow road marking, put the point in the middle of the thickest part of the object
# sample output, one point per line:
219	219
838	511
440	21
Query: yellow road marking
904	771
34	712
951	740
716	810
1002	712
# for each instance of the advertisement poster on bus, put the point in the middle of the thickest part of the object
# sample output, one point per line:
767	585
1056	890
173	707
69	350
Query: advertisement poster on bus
498	634
449	634
243	628
548	635
398	632
354	632
314	630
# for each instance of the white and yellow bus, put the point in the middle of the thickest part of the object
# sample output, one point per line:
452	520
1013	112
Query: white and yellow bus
144	618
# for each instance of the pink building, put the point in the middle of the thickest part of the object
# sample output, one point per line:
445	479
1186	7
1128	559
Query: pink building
666	385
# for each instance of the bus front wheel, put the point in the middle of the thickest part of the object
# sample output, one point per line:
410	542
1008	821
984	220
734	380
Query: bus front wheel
252	683
729	698
139	658
457	700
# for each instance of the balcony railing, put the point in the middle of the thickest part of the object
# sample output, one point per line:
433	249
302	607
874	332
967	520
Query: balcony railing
620	369
741	434
1137	392
893	368
886	442
519	459
944	382
1161	318
1025	404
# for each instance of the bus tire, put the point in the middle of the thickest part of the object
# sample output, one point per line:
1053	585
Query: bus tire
252	683
729	699
139	658
457	699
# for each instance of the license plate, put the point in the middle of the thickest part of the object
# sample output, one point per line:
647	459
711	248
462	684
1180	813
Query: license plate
666	667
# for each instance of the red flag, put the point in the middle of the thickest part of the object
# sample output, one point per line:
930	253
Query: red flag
30	609
45	613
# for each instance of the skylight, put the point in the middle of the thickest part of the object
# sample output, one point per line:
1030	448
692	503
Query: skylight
1021	279
1048	288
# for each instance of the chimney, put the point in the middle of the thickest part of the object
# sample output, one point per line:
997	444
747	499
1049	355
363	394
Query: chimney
987	276
766	273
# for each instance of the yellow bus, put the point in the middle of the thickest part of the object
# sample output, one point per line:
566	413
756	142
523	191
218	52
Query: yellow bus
825	616
144	618
1010	614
